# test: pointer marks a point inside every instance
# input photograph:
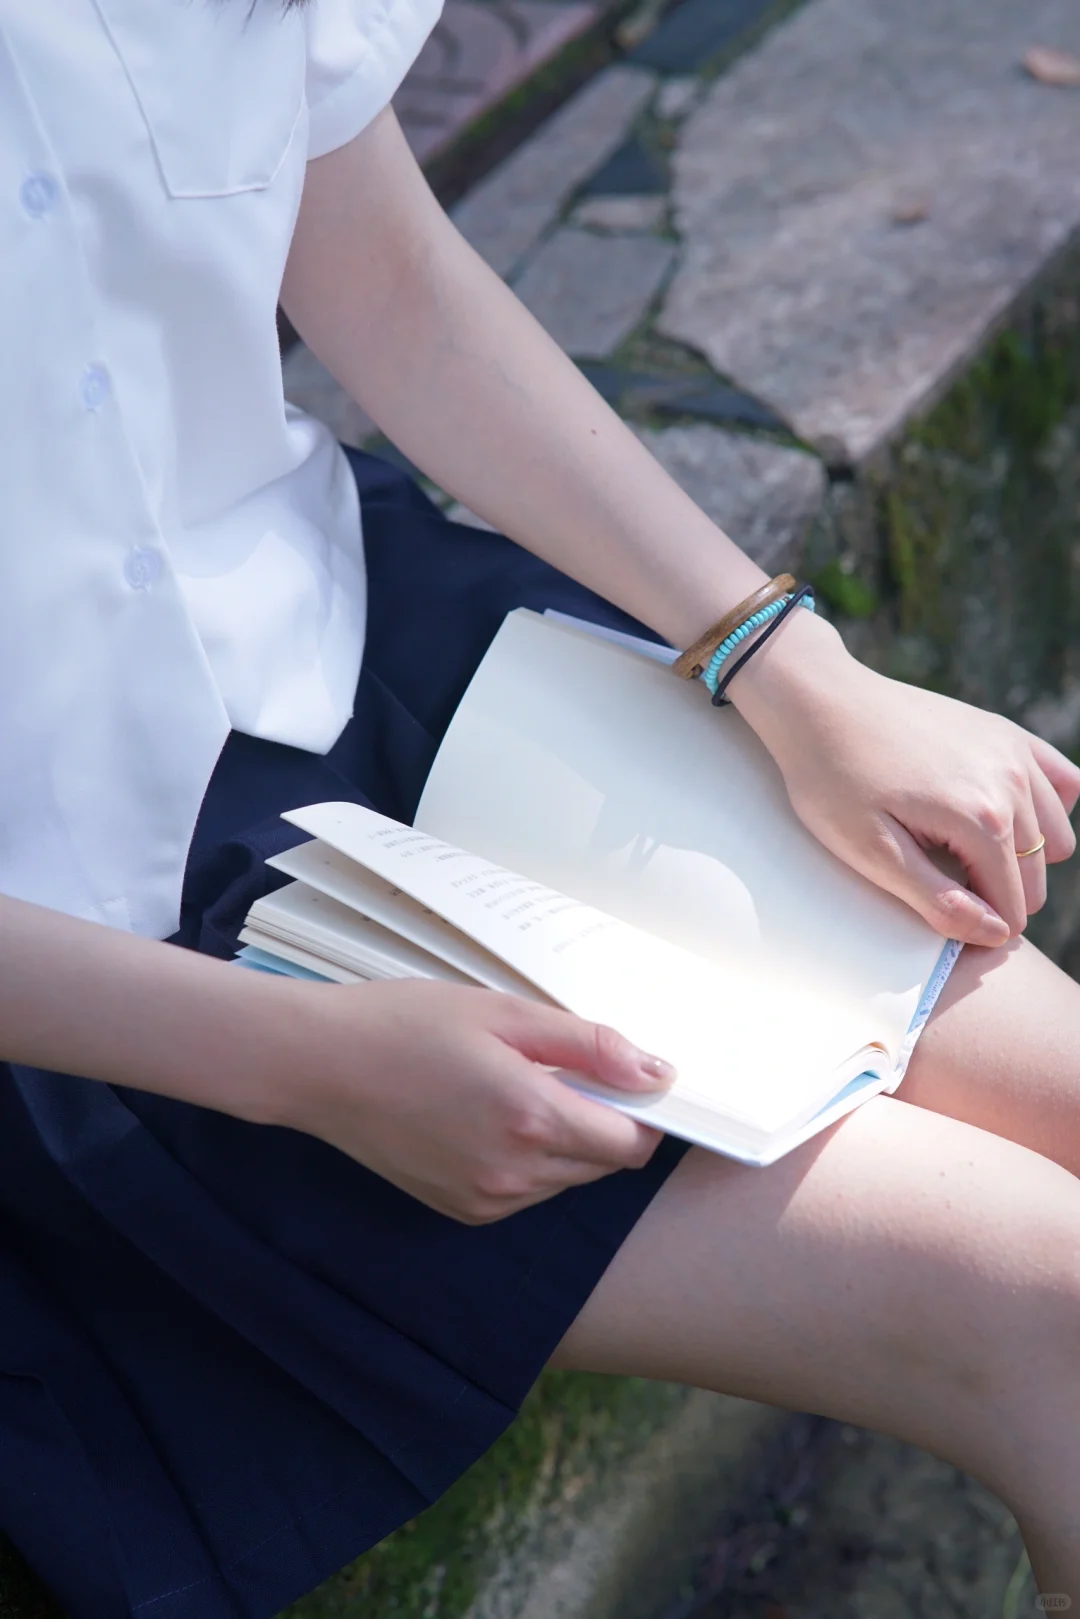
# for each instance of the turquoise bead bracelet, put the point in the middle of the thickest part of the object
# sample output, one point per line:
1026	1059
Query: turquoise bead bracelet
773	616
711	673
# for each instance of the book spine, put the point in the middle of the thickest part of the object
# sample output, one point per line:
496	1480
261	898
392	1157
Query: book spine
934	986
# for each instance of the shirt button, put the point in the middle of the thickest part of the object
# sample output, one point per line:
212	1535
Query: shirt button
96	387
143	568
39	194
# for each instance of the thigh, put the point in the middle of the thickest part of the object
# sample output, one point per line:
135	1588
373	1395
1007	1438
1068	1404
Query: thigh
1002	1051
905	1271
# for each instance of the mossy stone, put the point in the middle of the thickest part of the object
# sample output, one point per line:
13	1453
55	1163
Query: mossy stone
565	1446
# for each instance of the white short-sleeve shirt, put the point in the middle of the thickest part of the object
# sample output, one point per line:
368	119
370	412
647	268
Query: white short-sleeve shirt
180	551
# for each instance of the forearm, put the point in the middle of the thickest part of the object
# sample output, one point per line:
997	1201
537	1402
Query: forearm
446	360
85	999
455	370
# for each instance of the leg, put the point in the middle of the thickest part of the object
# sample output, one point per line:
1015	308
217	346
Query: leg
907	1272
1002	1051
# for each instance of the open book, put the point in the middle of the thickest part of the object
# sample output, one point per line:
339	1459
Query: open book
594	834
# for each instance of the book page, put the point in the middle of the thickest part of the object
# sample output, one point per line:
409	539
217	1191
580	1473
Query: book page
719	1028
302	919
271	954
320	867
282	961
595	771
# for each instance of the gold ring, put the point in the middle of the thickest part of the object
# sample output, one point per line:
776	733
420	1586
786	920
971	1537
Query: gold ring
1022	854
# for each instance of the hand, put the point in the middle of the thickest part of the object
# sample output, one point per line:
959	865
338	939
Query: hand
881	772
446	1092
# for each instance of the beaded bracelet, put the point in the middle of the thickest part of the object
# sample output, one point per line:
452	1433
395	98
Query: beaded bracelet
691	663
711	672
803	597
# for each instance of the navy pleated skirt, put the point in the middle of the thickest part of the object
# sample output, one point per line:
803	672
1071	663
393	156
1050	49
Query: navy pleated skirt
231	1359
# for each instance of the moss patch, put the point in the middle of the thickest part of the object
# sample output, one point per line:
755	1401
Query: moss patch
954	562
844	591
960	549
572	1435
981	517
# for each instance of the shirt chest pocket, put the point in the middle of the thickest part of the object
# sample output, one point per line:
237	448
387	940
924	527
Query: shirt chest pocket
219	83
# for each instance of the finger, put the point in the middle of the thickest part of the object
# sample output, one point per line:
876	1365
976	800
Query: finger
951	909
1053	817
1060	772
992	867
559	1175
1032	867
593	1132
576	1172
557	1039
562	1173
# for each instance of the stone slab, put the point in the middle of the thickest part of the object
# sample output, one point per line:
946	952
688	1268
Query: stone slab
809	275
479	52
623	1556
633	392
678	97
713	401
507	213
612	382
621	213
591	291
763	495
633	171
853	1526
696	31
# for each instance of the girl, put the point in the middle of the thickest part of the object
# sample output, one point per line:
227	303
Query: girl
286	1258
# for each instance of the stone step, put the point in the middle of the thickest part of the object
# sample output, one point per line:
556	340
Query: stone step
487	59
862	200
836	287
480	52
842	1524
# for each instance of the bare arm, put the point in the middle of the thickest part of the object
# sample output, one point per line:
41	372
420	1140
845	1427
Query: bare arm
86	999
449	363
444	1091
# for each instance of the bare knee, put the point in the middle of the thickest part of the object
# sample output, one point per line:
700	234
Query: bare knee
1017	1383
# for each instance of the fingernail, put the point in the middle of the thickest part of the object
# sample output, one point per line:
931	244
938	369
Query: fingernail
992	929
656	1069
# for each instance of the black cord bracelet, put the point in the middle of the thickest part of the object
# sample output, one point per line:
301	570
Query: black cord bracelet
719	700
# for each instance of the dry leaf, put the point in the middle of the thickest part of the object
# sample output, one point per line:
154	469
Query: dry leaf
910	211
1053	67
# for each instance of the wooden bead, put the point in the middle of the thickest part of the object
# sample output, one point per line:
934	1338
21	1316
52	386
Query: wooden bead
689	664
